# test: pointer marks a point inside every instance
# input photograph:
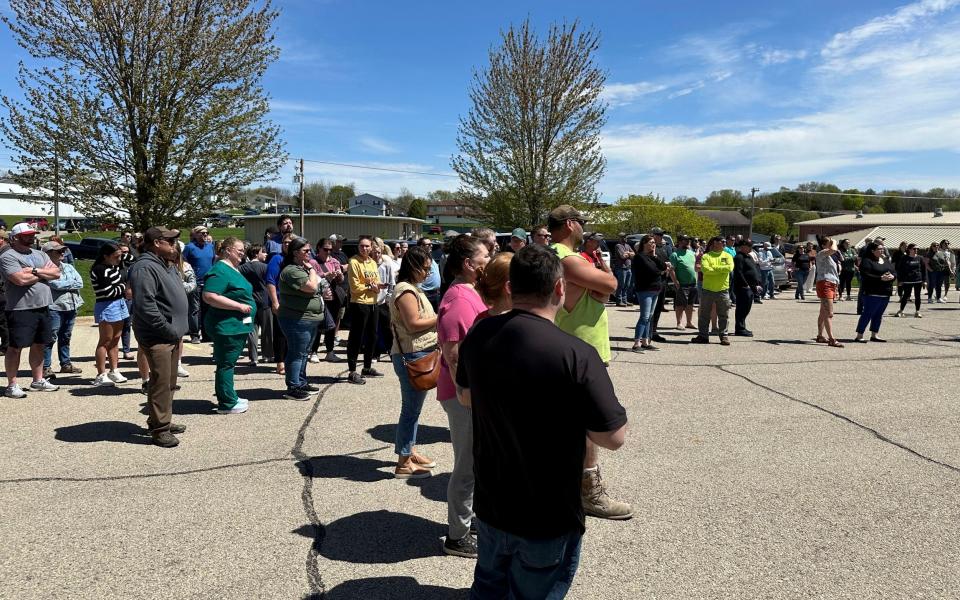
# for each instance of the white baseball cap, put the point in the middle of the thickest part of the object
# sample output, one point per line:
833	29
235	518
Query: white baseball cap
23	229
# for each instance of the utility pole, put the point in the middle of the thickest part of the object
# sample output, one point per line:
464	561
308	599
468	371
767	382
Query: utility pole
753	210
303	210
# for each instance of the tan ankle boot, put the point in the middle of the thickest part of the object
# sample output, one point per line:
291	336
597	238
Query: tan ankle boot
596	501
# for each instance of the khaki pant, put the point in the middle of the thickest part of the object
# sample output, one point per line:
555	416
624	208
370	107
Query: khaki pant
163	360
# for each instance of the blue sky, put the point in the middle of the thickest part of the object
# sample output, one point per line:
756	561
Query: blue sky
703	95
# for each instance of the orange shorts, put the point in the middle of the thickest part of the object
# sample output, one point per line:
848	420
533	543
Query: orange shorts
826	290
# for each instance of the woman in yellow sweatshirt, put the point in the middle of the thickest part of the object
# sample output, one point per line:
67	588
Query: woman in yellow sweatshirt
364	279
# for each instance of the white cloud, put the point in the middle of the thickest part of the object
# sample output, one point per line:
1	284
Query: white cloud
885	97
624	93
905	18
377	145
775	57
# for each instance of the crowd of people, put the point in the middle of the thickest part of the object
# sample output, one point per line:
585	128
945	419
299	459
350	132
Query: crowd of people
525	474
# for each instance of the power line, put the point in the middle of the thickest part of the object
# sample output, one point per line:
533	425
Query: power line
866	195
325	162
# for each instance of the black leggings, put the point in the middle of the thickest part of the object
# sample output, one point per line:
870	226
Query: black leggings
846	282
906	289
363	334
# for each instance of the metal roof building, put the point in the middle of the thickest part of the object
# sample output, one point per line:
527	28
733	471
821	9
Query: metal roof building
918	228
322	225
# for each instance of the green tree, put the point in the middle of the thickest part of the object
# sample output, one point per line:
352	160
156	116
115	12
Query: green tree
315	196
725	198
417	209
636	214
893	205
150	111
401	204
770	223
874	210
852	200
338	195
531	140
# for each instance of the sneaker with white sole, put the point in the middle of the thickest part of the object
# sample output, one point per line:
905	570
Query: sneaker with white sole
43	385
13	391
181	372
241	406
116	377
102	380
314	358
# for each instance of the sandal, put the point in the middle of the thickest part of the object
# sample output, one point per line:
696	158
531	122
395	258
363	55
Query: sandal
821	340
835	344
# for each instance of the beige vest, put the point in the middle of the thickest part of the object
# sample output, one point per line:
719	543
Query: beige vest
405	341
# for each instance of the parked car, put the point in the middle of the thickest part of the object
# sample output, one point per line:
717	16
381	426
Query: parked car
87	248
781	268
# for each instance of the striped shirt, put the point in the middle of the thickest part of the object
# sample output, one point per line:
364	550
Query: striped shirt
107	282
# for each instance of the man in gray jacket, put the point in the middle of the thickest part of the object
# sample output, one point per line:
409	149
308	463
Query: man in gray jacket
159	323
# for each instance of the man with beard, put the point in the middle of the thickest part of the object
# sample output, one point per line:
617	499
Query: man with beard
274	245
584	315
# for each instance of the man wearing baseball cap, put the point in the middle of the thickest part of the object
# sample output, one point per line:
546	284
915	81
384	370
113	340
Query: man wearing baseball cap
200	255
26	272
584	315
518	239
159	322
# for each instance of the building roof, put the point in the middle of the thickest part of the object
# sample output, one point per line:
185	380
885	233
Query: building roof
880	219
921	235
20	201
364	198
725	217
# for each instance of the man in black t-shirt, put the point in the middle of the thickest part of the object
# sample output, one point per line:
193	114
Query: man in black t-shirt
529	445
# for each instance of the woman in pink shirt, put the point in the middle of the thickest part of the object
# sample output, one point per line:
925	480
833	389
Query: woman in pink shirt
458	310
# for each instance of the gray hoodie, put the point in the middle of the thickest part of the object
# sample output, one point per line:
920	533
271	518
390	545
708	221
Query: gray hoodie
159	300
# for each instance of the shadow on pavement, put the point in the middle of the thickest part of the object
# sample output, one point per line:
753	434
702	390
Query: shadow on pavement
433	487
426	434
378	537
393	588
188	407
103	431
87	391
351	468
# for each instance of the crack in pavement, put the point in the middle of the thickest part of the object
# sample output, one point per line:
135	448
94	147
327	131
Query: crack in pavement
314	579
846	419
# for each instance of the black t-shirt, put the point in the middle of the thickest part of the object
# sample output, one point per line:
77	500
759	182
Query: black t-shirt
528	443
801	260
255	272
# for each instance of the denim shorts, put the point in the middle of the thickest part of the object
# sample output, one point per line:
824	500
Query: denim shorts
110	311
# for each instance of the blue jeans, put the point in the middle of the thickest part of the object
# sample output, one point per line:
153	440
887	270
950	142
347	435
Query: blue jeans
509	566
624	284
801	277
411	403
647	301
127	325
935	282
299	334
766	278
61	323
873	307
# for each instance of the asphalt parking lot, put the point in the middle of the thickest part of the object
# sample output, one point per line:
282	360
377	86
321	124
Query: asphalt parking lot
772	468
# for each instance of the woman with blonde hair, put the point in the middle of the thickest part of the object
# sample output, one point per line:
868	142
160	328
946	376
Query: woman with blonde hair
492	287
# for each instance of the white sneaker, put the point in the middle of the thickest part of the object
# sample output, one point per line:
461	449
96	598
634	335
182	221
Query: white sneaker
941	301
43	386
116	377
241	407
314	358
14	391
102	380
918	315
181	372
899	313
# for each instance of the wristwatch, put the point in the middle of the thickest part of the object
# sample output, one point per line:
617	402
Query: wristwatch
34	272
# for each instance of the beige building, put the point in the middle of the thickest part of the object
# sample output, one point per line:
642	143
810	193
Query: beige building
322	225
916	228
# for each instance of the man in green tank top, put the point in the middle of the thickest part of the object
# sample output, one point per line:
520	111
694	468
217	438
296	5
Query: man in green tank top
584	315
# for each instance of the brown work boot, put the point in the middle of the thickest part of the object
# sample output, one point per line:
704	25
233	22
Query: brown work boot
596	501
165	439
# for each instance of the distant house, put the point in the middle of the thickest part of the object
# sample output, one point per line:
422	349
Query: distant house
452	214
368	205
731	222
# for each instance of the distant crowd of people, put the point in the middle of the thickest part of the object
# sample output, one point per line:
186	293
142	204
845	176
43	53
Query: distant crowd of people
535	316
